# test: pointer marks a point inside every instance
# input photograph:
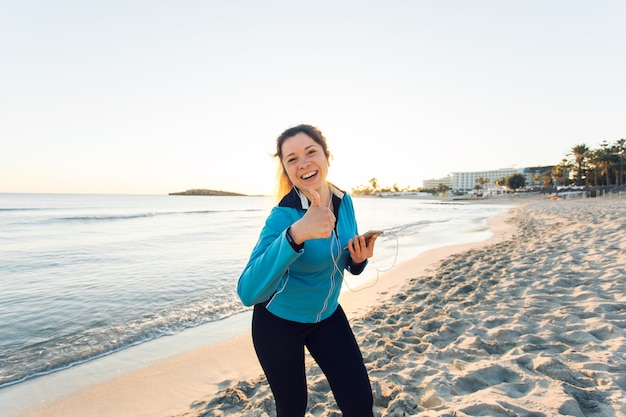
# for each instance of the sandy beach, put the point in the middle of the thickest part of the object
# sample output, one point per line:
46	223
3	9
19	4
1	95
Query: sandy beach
529	323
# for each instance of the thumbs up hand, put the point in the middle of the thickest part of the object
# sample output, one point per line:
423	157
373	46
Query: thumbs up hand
318	222
315	198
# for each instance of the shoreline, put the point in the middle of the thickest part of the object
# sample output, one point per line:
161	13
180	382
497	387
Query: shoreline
172	385
34	396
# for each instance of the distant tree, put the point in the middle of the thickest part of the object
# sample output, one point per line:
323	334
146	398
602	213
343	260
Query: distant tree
595	167
546	180
481	181
605	157
580	154
515	181
620	148
536	178
560	173
442	189
500	181
374	184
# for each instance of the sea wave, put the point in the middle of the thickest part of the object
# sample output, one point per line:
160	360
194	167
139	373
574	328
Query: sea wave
93	218
88	341
411	228
2	209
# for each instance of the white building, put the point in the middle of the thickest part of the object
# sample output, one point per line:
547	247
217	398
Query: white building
466	181
433	184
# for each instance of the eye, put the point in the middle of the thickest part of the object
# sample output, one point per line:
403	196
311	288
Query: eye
291	160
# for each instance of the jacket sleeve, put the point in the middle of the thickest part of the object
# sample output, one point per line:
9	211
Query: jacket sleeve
269	261
354	269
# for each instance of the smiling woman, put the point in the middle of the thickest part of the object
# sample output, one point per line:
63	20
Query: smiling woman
294	277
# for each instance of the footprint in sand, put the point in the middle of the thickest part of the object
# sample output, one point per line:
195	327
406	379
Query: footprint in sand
484	378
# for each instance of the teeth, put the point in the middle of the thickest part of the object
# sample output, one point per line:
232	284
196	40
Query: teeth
309	175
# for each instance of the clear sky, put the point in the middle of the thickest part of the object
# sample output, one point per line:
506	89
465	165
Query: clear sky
153	96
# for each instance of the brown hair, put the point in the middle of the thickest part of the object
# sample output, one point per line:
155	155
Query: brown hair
284	184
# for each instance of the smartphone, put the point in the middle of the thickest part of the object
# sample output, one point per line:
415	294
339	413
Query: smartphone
368	235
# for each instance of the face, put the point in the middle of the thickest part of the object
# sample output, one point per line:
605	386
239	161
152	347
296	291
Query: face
305	162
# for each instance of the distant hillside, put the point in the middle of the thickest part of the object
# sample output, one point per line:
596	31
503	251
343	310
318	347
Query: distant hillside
201	191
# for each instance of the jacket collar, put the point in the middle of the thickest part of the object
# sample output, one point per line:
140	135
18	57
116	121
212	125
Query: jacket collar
296	199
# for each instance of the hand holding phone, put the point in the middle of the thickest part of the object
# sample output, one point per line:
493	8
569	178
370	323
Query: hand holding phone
368	235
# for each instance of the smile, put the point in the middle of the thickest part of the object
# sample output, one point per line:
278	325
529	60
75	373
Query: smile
309	175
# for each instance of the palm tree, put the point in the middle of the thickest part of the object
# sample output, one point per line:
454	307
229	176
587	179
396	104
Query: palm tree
606	156
442	189
536	178
620	147
374	184
561	172
595	162
546	180
580	153
480	181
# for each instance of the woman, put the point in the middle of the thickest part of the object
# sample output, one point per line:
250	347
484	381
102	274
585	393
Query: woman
294	276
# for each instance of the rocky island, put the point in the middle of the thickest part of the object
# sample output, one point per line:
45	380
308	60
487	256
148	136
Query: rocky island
201	191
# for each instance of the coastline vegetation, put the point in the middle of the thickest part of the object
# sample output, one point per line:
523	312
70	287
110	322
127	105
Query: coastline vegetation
581	167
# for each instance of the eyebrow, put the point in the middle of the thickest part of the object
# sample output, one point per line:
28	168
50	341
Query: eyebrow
305	148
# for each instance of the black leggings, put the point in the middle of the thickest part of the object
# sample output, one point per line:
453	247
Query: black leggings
279	345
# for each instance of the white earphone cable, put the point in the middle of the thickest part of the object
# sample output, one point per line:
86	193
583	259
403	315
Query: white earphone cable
337	269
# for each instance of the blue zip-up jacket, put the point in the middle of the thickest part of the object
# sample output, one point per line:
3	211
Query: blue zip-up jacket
301	286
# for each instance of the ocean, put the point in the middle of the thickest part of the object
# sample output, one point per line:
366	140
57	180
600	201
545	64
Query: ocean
84	276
